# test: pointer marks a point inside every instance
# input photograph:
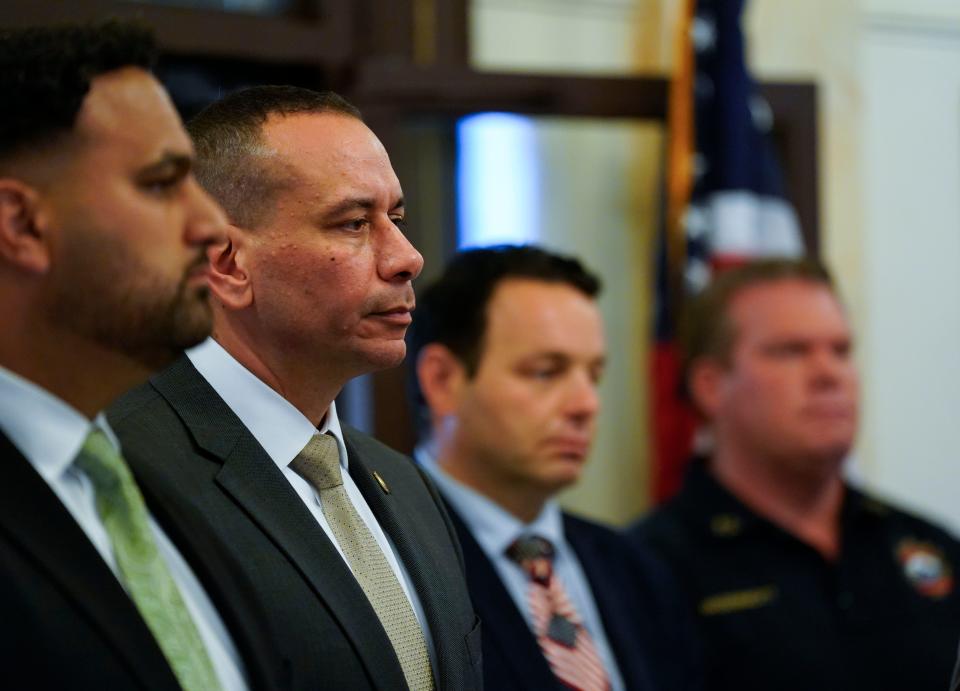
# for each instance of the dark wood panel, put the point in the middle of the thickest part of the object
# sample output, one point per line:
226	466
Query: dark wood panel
795	132
460	91
197	32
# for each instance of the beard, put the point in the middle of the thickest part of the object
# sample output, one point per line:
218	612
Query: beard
108	294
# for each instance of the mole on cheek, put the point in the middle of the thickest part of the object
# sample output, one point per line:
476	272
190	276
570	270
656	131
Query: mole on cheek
333	259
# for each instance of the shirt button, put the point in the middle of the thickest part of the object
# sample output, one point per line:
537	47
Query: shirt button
845	600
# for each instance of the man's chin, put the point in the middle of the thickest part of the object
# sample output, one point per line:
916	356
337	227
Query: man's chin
190	326
565	473
385	355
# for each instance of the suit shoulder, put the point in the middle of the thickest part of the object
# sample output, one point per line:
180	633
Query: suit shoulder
586	526
666	523
370	448
600	535
901	520
614	545
132	402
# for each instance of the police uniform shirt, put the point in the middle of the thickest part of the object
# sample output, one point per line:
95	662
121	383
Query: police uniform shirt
774	614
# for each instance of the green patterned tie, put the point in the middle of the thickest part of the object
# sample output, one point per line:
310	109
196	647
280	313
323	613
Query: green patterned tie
319	464
143	571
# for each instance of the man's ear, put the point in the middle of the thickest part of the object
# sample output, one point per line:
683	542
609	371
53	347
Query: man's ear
442	379
229	277
23	227
705	383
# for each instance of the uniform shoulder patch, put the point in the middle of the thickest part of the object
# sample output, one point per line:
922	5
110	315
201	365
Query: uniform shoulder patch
925	567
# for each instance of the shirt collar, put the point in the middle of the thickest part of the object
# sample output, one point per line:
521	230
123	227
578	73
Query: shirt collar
47	430
275	423
729	516
494	527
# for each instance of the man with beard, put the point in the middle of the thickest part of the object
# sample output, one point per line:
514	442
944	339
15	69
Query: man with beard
799	580
345	541
103	230
509	349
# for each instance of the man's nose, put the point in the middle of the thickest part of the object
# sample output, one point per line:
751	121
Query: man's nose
583	398
207	221
400	260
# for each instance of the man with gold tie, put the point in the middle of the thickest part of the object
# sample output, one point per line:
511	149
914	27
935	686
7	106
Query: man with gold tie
344	540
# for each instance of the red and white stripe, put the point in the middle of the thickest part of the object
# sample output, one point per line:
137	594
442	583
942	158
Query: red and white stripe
578	667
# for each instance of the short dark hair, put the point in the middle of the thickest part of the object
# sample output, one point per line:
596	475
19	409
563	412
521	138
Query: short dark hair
707	329
452	310
45	73
228	138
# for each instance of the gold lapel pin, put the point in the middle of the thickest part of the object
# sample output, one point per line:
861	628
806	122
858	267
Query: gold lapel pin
381	482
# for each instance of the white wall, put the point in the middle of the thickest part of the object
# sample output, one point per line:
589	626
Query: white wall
910	66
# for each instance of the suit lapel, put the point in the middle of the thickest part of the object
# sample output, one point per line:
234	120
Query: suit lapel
620	627
414	549
226	587
255	483
503	624
34	517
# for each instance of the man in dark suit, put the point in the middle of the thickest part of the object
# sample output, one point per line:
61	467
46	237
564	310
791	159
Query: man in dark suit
509	349
102	236
346	542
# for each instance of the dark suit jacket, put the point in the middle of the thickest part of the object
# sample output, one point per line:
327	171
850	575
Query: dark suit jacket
645	622
179	435
65	620
955	684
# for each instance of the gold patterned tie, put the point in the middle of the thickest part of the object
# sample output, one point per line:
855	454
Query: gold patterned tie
319	464
142	569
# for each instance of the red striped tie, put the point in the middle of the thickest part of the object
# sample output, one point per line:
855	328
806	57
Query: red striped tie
560	631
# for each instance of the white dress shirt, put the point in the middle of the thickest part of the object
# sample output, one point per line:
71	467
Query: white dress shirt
283	432
49	433
495	529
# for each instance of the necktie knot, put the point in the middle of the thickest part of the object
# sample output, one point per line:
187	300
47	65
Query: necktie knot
319	462
101	462
535	555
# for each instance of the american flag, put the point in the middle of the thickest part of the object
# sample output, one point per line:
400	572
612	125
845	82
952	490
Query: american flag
724	197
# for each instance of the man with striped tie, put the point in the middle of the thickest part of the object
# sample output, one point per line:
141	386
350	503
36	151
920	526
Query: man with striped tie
508	348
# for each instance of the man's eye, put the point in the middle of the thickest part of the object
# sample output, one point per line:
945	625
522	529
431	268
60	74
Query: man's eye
789	349
356	224
543	373
400	222
161	186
